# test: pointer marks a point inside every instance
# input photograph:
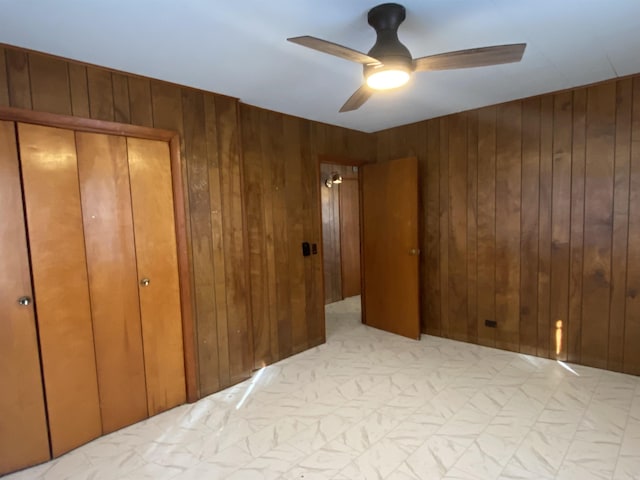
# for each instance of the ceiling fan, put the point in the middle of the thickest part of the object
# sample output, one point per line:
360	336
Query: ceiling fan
389	63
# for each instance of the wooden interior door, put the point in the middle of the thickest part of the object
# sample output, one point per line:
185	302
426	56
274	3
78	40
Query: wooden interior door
24	437
390	246
350	237
59	269
113	279
159	286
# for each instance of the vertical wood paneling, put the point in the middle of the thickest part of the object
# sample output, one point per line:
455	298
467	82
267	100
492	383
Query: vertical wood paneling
252	157
282	178
239	329
600	144
620	224
4	81
100	94
457	227
315	321
280	237
431	249
574	330
350	237
269	246
508	197
217	240
472	227
544	226
556	223
560	223
201	241
79	90
295	233
18	76
312	230
444	227
529	226
486	223
166	104
330	204
49	84
121	110
140	104
631	361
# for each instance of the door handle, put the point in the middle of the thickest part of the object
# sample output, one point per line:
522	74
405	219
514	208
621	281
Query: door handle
145	282
24	301
414	251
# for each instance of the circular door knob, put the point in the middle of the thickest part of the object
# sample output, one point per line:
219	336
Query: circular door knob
24	301
414	251
145	282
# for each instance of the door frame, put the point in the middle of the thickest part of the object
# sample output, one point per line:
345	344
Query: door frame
349	162
180	208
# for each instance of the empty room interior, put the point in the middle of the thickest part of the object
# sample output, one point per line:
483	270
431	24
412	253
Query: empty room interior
320	240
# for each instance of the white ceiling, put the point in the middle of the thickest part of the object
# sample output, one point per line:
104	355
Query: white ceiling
238	48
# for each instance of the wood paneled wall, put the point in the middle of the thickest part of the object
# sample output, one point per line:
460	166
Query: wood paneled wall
350	237
278	157
209	128
530	215
282	196
331	237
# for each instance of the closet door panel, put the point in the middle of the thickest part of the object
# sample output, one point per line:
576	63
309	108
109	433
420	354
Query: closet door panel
108	232
154	226
23	426
54	220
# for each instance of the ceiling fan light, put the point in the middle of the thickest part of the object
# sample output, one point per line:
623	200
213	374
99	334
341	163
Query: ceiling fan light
387	79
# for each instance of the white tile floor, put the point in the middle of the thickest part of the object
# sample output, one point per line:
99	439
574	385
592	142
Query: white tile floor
370	405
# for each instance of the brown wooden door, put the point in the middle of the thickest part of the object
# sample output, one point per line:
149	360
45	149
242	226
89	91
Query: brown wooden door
350	237
59	269
23	426
390	246
113	279
153	218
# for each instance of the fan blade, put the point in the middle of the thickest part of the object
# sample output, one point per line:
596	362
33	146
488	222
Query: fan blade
357	99
331	48
473	57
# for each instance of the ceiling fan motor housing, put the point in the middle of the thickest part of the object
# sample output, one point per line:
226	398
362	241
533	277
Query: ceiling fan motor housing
386	19
389	64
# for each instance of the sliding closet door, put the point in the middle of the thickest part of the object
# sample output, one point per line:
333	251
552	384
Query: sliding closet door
154	226
54	220
23	425
111	261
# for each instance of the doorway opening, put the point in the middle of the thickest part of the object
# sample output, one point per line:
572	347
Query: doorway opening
370	241
340	211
